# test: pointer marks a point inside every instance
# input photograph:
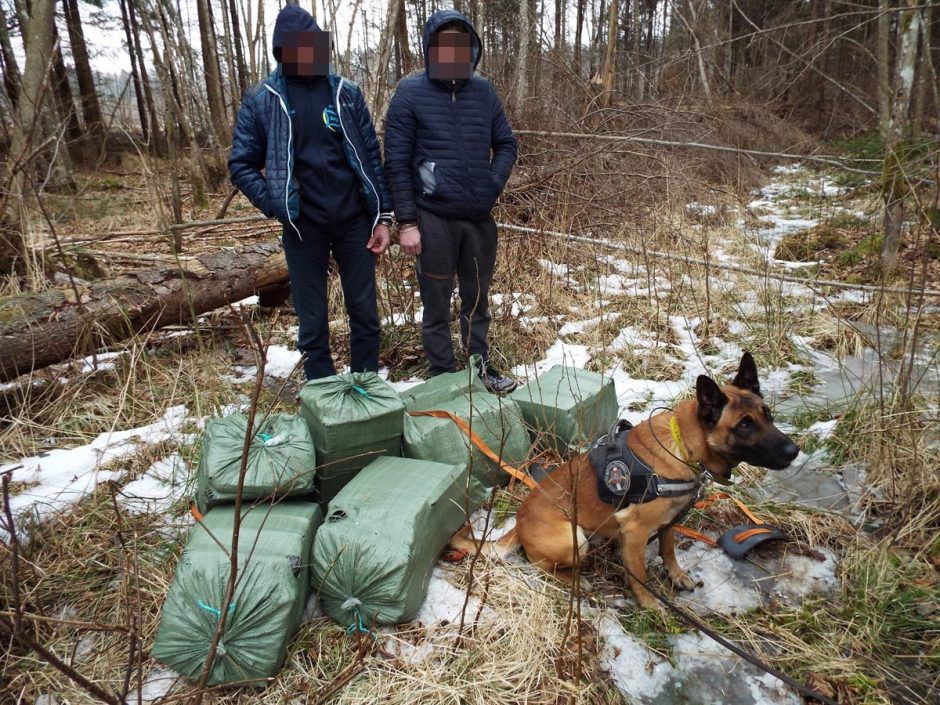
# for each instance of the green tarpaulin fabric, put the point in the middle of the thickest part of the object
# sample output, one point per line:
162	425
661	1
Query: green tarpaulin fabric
274	550
495	419
383	533
353	418
281	459
567	406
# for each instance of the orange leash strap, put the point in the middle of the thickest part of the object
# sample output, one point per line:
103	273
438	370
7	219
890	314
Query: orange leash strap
707	502
479	443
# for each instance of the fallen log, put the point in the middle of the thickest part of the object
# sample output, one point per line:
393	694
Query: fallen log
43	328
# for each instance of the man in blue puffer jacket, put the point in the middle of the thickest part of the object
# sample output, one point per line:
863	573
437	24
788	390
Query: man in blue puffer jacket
311	133
449	151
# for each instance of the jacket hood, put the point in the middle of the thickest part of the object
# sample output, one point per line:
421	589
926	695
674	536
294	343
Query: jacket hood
438	20
292	18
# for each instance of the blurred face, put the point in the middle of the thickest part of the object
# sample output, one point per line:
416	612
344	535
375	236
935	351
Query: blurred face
451	55
306	54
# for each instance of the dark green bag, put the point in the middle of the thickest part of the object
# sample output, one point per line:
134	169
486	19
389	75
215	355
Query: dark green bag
494	419
384	531
281	459
567	407
274	549
353	418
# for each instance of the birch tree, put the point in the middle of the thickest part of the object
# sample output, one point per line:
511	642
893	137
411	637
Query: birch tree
895	184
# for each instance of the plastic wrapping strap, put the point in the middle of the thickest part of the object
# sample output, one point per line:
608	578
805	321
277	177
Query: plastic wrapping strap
481	444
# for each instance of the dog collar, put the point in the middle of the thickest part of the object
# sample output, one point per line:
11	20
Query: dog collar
704	473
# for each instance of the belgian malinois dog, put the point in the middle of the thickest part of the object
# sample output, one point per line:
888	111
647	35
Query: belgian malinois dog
719	428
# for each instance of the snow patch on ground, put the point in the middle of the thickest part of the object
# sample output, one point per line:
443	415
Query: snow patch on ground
62	477
560	353
164	483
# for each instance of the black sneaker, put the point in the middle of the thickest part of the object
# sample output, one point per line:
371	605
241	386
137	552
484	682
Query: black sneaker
496	382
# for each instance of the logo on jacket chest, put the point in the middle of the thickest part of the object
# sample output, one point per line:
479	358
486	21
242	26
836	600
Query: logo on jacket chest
331	118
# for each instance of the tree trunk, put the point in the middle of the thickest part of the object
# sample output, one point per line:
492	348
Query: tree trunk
43	328
11	70
884	66
895	182
526	23
65	107
610	61
91	108
27	130
239	54
212	72
578	36
135	75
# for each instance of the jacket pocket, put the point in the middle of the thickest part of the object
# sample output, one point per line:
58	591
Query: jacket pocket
427	172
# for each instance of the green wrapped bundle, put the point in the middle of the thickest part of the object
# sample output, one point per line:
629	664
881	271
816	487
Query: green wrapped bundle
281	459
353	418
274	549
383	533
494	419
441	389
567	406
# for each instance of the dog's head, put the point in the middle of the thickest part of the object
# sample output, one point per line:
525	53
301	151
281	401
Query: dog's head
737	423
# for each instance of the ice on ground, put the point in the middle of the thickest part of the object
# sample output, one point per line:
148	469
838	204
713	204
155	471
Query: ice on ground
630	338
518	303
560	353
164	482
637	672
824	429
444	603
62	477
573	327
158	684
249	301
281	361
101	361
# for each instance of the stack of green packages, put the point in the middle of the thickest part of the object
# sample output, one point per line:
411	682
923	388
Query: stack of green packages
494	419
274	549
567	407
353	418
281	459
383	533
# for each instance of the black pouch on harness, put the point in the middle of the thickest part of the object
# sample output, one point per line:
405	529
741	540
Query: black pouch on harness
622	478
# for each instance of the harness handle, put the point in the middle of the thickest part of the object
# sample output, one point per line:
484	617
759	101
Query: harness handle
613	447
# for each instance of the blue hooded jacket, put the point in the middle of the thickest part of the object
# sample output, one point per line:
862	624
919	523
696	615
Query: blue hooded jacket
448	146
263	138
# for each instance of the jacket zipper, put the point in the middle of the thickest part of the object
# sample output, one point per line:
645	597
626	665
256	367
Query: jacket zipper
339	115
290	153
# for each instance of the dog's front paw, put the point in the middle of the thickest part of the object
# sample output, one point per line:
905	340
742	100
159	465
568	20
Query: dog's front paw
682	581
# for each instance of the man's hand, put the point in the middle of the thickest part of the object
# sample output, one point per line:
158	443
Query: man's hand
378	243
409	239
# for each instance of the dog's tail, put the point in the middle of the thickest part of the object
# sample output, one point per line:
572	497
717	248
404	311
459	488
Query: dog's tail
498	550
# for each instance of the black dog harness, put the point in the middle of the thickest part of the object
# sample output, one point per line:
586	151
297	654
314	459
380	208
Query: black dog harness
623	478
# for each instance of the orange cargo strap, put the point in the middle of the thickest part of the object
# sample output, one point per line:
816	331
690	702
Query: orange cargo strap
707	502
481	444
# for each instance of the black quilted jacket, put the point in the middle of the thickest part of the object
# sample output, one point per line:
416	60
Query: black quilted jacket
263	139
448	146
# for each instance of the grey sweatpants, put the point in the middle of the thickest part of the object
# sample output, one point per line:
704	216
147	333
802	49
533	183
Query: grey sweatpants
466	248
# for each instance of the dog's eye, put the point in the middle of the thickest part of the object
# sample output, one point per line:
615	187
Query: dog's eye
744	424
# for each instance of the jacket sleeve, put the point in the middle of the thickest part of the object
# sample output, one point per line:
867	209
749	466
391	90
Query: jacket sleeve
505	148
400	127
245	161
373	153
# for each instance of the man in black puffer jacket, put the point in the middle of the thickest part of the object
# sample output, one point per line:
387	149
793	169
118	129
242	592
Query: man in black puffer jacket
449	151
311	133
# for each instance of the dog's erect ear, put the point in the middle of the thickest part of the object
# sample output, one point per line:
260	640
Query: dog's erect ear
747	375
711	400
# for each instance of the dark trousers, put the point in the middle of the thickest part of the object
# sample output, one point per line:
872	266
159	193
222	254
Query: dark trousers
468	249
307	262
